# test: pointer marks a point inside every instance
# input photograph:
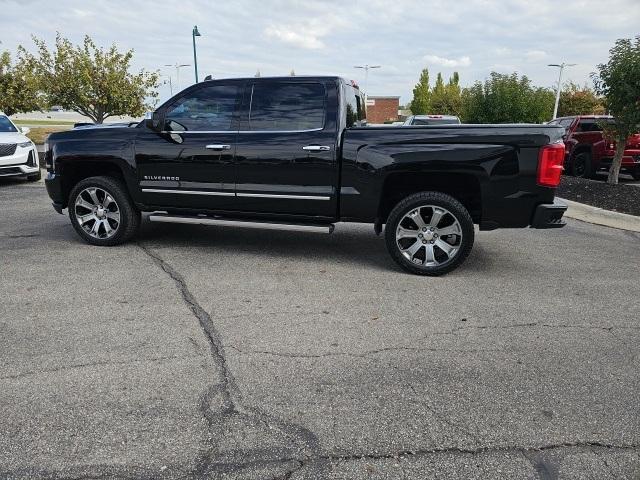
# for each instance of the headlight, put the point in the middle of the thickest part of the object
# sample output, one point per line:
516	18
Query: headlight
26	144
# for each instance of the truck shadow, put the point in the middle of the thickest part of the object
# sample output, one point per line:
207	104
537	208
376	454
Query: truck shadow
351	244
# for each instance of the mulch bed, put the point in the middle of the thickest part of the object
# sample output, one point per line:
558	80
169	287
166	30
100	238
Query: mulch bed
597	193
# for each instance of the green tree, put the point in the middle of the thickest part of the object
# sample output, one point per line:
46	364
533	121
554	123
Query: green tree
89	80
576	100
438	97
421	101
445	99
18	88
618	81
506	99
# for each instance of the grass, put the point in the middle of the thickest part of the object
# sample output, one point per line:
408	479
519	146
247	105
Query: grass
42	122
39	134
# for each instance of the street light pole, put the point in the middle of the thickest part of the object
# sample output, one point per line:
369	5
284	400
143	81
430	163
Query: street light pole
178	66
195	33
561	67
366	68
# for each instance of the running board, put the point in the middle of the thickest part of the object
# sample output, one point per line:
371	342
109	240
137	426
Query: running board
203	220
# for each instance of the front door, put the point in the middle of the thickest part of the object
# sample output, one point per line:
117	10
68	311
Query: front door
189	164
286	148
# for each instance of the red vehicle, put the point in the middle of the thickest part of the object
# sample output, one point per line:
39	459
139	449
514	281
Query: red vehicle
587	151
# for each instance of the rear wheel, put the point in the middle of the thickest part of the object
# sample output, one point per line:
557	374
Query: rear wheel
429	233
581	165
636	174
102	212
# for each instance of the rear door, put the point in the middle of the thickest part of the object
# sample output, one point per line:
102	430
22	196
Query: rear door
189	164
286	148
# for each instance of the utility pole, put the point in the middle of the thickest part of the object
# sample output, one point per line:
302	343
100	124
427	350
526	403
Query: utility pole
366	68
561	67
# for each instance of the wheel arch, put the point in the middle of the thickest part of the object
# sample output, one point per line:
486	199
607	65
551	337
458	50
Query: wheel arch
73	173
464	187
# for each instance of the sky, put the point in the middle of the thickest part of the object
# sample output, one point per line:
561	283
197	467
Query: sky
473	37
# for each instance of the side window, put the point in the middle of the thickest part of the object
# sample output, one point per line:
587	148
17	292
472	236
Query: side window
287	106
205	109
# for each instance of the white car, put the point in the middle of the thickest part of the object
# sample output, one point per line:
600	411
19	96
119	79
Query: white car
18	154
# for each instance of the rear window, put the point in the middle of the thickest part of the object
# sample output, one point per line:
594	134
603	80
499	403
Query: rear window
355	107
6	125
589	126
287	106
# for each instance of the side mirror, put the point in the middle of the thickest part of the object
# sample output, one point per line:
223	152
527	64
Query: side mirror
25	130
153	120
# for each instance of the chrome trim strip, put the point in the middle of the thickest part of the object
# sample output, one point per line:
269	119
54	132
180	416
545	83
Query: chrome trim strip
231	194
188	192
242	131
239	223
274	195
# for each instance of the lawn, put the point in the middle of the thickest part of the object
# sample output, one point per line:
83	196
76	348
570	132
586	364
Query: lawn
43	122
39	134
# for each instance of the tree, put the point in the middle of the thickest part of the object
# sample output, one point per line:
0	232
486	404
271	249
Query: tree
18	88
575	100
445	99
421	95
618	81
89	80
506	99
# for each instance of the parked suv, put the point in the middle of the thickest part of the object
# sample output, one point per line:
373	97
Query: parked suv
18	155
588	151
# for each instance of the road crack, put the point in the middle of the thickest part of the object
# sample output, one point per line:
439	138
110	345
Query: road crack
225	394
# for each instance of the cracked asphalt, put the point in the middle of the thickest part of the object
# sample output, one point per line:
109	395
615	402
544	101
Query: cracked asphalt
202	352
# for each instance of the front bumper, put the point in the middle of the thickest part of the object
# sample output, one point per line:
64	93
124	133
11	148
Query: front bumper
22	163
53	182
549	215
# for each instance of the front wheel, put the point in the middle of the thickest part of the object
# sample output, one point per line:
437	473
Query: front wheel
102	212
429	233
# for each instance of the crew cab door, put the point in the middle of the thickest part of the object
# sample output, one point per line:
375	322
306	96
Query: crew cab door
189	163
286	160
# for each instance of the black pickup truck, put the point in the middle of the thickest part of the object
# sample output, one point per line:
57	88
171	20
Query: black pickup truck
295	153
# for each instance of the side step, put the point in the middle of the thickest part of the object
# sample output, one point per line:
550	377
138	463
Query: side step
204	220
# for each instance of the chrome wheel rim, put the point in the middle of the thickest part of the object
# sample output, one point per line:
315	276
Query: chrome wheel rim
429	236
97	212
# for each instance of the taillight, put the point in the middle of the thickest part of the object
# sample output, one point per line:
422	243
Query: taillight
550	165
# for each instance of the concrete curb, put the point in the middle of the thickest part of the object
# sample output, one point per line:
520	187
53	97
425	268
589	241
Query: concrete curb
599	216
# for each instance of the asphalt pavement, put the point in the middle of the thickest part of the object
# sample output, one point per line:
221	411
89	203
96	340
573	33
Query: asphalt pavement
206	352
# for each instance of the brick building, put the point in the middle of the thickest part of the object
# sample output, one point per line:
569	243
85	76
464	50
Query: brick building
382	109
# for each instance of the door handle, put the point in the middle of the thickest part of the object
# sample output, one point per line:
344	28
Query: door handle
317	148
218	147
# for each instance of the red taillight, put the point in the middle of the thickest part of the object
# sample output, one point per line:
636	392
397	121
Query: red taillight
550	165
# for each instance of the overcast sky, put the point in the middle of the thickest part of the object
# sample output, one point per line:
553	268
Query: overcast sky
473	37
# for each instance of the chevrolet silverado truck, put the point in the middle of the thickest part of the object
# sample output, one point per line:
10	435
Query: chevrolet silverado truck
293	153
589	151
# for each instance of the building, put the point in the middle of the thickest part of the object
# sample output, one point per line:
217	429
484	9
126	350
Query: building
382	109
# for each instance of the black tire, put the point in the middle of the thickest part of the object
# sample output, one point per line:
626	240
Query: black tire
635	174
35	177
416	202
581	165
129	215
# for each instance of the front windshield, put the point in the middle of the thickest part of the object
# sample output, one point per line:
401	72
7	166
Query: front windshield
6	125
